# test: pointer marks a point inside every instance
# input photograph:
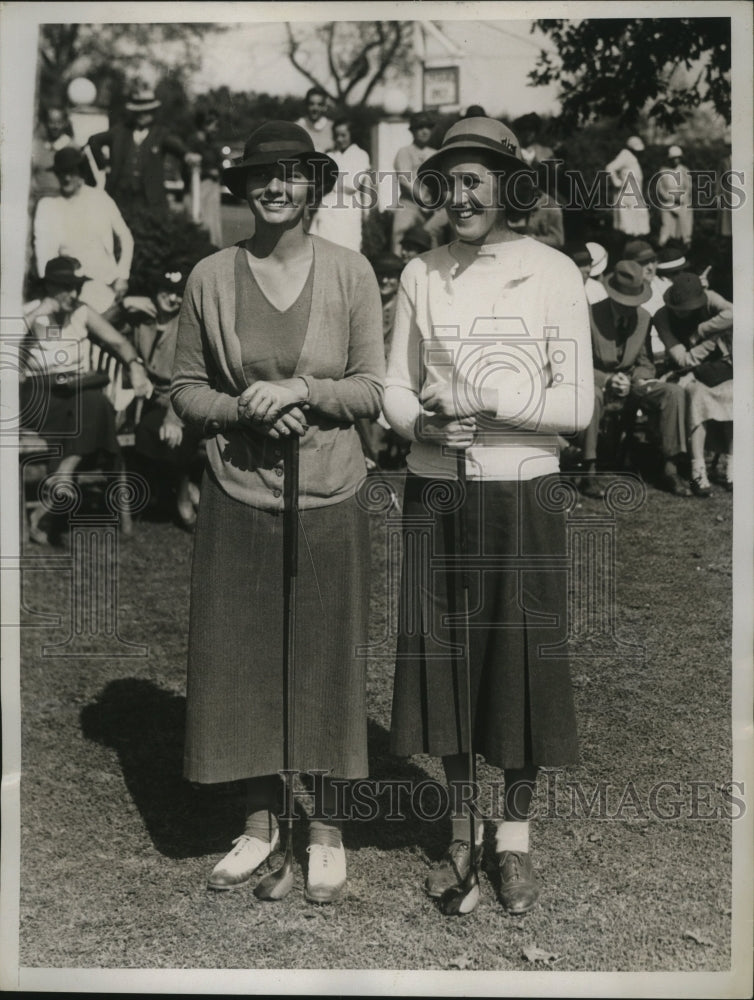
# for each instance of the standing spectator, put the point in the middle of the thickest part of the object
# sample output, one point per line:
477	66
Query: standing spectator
595	283
204	143
53	134
84	222
630	213
696	327
136	176
408	159
415	240
160	433
315	121
624	371
674	194
340	215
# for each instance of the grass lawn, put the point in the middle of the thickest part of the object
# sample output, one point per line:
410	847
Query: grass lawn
116	847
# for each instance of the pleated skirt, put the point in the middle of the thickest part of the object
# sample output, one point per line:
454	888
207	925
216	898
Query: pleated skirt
235	716
521	696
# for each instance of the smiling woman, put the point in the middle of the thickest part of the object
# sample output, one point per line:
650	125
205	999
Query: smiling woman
279	338
490	361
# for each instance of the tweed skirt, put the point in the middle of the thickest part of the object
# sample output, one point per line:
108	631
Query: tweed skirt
522	702
235	692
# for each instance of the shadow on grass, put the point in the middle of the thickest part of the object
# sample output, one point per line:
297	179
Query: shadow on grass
399	821
144	724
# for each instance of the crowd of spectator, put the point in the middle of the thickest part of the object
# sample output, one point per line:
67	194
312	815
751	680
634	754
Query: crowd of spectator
661	337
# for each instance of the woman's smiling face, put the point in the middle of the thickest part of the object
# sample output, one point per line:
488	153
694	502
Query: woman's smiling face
474	206
277	192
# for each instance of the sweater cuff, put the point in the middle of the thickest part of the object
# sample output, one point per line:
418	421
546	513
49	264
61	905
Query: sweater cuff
223	415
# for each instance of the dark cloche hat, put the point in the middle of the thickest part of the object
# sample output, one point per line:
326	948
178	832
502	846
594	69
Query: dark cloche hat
276	142
64	272
686	294
67	159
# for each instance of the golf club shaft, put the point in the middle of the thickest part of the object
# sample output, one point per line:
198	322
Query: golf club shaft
463	551
290	550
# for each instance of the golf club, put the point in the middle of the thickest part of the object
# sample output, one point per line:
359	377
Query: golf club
279	883
463	898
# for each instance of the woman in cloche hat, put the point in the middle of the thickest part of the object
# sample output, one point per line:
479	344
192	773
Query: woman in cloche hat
474	369
280	335
76	415
696	328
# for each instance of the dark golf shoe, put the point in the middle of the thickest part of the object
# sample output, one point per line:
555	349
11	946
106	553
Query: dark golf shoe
453	868
518	890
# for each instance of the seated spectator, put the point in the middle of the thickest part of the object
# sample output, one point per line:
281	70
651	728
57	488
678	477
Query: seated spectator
671	260
582	258
77	416
161	435
623	371
696	328
415	240
84	222
341	212
595	283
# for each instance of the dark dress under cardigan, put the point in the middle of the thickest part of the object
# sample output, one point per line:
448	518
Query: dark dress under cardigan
235	694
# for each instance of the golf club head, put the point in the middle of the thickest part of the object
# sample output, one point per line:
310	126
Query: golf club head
277	884
461	899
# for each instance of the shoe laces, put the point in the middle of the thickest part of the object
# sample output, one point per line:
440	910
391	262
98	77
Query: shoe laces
323	852
512	858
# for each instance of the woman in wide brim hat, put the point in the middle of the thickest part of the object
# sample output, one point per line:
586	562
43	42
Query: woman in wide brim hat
460	377
279	335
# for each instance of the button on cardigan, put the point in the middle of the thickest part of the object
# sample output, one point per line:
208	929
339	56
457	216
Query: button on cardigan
342	363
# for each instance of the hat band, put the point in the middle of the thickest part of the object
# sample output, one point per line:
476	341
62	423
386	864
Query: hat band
281	146
481	140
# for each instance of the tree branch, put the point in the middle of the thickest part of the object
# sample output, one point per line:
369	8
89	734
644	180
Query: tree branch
293	47
386	59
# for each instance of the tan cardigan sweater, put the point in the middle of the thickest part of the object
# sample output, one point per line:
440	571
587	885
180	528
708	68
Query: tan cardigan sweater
342	362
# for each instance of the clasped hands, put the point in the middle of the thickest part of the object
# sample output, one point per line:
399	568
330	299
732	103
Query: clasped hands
453	411
275	408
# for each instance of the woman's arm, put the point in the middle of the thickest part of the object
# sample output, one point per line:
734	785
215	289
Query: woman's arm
359	393
121	346
200	406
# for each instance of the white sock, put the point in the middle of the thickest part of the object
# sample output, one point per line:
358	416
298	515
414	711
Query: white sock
512	836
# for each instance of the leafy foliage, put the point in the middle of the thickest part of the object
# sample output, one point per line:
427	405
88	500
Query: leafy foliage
110	54
164	242
617	67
